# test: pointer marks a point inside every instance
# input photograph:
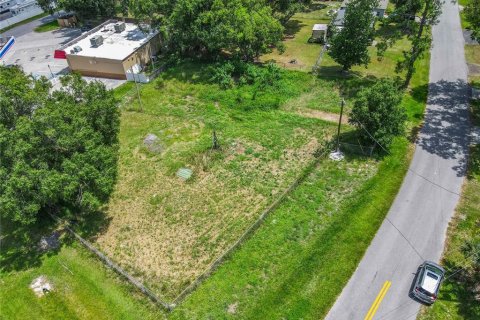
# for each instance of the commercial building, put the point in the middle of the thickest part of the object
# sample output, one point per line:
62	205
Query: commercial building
111	50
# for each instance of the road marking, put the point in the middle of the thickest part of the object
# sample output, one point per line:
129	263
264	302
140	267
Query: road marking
378	300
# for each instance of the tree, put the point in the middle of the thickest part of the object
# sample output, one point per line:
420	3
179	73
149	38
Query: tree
377	113
283	10
349	46
58	151
421	40
244	29
48	5
472	15
89	8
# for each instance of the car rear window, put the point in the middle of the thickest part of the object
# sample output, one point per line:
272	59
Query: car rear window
432	275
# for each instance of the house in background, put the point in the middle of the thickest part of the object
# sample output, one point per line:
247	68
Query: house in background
114	49
9	8
378	11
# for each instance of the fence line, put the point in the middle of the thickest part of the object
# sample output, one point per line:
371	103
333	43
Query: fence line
320	154
213	266
112	265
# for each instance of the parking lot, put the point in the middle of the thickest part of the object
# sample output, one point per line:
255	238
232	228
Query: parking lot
34	51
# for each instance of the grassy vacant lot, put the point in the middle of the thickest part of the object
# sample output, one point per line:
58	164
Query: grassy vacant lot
299	260
167	231
297	33
83	289
49	26
457	299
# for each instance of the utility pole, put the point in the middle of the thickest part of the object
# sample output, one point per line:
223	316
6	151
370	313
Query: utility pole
53	76
337	155
340	125
215	144
138	91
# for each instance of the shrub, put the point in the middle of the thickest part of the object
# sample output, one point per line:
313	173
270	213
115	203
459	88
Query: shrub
377	113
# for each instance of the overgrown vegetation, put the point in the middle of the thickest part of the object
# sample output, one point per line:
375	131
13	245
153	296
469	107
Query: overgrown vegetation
472	16
58	151
174	229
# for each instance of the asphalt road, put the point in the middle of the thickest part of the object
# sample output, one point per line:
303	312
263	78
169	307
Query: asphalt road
28	27
415	227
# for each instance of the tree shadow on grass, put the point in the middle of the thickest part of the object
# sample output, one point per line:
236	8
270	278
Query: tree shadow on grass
292	27
20	245
92	224
349	83
460	288
315	7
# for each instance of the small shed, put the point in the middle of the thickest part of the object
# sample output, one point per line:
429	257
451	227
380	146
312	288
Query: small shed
67	21
319	32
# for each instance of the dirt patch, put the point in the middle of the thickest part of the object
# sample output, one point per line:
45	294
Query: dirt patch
232	308
473	69
41	286
322	115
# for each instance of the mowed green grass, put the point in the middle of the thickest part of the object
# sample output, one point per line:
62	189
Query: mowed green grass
456	300
297	32
49	26
83	289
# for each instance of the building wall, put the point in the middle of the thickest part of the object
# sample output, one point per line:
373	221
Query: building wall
380	12
114	69
96	67
143	55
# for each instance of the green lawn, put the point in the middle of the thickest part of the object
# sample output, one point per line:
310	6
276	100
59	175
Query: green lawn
49	26
24	22
83	289
297	33
457	295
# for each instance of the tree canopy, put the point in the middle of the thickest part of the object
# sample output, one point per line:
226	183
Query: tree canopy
58	151
472	15
243	29
89	8
283	10
377	113
349	46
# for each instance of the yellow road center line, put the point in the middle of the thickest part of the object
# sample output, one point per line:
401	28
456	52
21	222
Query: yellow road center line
378	300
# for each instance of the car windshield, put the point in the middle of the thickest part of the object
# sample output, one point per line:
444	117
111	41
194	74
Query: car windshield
434	270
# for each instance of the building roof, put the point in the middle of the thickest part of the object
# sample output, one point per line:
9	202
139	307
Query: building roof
319	27
116	46
382	4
